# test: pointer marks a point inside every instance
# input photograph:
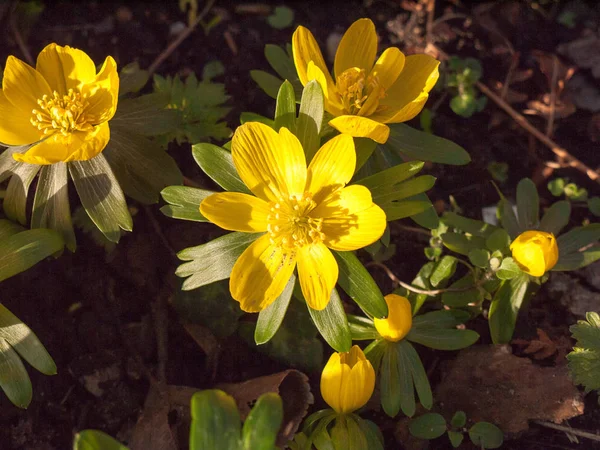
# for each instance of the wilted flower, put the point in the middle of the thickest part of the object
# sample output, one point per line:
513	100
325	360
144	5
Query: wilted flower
347	381
366	94
399	319
536	252
304	212
61	108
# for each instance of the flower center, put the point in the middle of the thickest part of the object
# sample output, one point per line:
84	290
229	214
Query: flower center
355	88
290	225
61	113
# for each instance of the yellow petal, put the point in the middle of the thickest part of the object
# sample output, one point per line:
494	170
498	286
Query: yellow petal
399	320
357	48
78	146
331	168
535	252
332	98
305	49
236	211
23	85
331	381
418	77
388	67
318	273
551	252
344	202
358	126
260	274
358	386
271	165
65	68
103	93
357	230
15	127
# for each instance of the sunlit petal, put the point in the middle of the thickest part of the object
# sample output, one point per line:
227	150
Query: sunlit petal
388	67
271	165
15	127
103	93
260	274
236	211
317	273
332	98
358	126
357	48
331	381
65	68
355	230
23	85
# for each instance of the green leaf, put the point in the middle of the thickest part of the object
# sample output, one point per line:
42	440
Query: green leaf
456	438
505	308
508	270
51	203
509	219
462	298
364	149
574	261
498	240
8	228
132	79
440	319
333	324
406	189
390	382
214	260
262	424
479	257
427	218
362	328
371	432
14	380
217	163
556	217
22	339
471	226
253	117
418	145
594	205
406	208
556	186
212	69
140	165
442	339
310	119
443	270
419	376
358	283
215	421
8	163
428	426
270	318
267	82
281	18
462	244
459	419
184	202
577	238
576	193
101	196
95	440
146	115
283	65
584	360
285	108
382	182
374	352
15	199
528	204
486	435
587	332
463	105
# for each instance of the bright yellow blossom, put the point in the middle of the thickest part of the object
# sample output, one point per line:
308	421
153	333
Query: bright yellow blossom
535	252
366	94
304	212
347	381
399	319
61	108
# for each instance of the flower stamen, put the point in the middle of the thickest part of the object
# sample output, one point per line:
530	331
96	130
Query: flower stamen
289	224
63	114
355	88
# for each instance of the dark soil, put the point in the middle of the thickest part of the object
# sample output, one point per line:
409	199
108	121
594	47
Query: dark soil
94	311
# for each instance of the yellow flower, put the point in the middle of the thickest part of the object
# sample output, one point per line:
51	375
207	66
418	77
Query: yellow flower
399	320
347	381
366	94
305	212
535	252
61	108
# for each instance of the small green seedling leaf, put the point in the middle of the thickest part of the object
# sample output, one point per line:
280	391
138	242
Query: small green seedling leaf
281	18
456	438
428	426
486	435
459	420
508	270
479	257
95	440
557	186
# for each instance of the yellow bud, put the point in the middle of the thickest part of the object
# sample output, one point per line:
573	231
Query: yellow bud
535	252
347	381
399	320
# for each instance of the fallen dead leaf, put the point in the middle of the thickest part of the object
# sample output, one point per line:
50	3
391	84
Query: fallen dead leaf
538	349
490	384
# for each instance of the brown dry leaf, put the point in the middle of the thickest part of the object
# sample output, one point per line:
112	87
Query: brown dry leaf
490	384
540	348
543	108
152	431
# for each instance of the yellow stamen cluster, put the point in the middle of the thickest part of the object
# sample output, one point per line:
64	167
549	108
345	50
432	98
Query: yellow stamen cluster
355	88
289	222
61	113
